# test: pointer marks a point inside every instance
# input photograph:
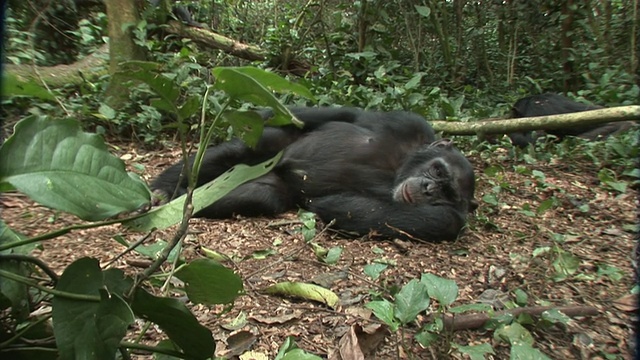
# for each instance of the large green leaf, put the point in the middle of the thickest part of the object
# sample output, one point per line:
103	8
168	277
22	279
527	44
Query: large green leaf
173	317
242	84
441	289
150	74
88	329
58	165
12	86
208	282
171	213
274	82
246	125
15	293
410	301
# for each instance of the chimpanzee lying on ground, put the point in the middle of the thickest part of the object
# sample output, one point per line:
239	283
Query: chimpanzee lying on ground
554	104
380	172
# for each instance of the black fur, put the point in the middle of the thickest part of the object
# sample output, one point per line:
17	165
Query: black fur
373	172
554	104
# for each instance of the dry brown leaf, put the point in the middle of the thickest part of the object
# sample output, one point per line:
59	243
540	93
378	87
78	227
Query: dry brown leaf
270	320
360	343
627	303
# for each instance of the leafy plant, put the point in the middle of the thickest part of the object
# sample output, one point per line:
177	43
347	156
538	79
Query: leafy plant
58	165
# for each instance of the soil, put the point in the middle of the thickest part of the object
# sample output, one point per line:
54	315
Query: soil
500	252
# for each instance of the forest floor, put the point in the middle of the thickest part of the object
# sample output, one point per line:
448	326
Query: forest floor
500	250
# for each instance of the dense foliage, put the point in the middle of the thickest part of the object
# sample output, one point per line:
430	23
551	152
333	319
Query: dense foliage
459	59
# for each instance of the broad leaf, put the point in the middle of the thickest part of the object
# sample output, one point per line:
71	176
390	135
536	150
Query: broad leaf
443	290
61	167
526	352
171	213
207	282
384	310
246	125
241	86
15	293
173	317
411	300
149	73
475	352
273	81
12	86
92	328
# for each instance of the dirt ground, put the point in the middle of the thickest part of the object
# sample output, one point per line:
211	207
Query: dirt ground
495	253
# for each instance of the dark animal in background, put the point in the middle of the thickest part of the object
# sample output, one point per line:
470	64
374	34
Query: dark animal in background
382	173
554	104
182	13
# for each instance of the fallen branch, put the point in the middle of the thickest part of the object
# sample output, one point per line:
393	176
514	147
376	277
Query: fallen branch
95	65
493	126
475	321
217	41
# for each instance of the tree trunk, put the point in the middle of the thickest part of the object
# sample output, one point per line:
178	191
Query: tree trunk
570	83
121	46
362	26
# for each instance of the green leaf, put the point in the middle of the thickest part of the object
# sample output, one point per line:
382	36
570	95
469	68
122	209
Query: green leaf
155	249
441	289
414	82
423	10
611	272
475	352
490	199
545	205
242	87
521	297
246	125
290	351
92	328
11	86
170	214
384	310
59	166
15	292
299	354
411	300
173	317
107	111
565	265
426	338
498	321
513	334
470	307
374	270
305	291
207	282
333	255
555	316
150	74
526	352
273	81
190	107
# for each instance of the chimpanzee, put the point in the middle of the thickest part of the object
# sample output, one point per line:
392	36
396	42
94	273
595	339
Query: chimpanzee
378	173
554	104
181	12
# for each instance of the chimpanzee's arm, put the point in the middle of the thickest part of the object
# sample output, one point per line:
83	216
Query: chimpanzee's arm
360	214
222	157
